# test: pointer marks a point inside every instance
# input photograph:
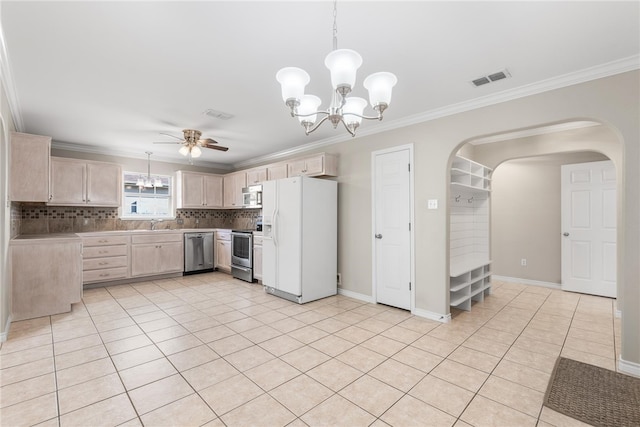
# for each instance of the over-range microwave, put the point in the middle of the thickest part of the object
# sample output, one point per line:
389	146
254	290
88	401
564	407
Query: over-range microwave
252	196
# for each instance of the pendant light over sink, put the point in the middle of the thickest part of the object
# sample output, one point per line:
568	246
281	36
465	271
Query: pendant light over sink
148	182
343	64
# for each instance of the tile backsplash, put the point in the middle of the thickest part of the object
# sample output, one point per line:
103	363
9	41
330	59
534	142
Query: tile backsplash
42	219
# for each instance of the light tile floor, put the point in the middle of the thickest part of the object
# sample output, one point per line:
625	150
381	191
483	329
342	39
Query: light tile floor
211	350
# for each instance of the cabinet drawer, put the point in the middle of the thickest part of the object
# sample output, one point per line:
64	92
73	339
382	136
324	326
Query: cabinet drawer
101	263
156	238
103	251
105	240
104	275
223	235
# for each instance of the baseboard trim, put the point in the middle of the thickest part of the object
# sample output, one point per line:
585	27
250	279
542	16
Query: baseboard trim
356	295
5	334
527	282
442	318
630	368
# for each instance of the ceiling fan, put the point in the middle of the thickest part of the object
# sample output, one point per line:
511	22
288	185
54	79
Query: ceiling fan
191	143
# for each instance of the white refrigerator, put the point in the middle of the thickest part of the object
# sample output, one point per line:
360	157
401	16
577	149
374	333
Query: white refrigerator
300	238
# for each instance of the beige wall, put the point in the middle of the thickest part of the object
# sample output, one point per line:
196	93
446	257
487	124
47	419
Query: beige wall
525	216
612	100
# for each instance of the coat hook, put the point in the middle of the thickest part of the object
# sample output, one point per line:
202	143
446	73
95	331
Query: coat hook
457	198
470	200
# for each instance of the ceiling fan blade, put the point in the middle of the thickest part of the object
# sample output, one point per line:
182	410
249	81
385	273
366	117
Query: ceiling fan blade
172	136
215	147
168	142
205	141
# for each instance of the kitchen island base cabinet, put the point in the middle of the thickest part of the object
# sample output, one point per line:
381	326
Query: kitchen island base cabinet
156	254
46	276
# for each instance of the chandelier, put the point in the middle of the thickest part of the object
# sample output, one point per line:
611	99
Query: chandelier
343	64
148	182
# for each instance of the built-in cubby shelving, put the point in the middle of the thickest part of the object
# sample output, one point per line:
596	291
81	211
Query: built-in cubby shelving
466	173
470	273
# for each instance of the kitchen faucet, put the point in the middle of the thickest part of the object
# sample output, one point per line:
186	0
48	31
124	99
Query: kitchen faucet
154	222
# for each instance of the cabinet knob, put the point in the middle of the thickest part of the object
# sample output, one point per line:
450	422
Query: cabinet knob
378	236
565	234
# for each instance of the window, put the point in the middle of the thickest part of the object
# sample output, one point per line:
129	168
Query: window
146	198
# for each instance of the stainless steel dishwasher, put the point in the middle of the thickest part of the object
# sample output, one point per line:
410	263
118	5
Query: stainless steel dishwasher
198	252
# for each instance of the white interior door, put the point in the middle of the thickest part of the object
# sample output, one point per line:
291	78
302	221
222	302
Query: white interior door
589	228
392	222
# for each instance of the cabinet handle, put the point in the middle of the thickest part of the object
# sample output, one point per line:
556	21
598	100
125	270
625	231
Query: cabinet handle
103	252
104	274
102	241
103	263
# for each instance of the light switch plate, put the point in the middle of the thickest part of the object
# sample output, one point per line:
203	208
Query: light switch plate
432	204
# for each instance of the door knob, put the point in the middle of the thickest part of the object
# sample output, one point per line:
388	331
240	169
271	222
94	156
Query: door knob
378	236
565	234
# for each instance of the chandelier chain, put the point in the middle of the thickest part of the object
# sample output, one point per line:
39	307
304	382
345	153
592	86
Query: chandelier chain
335	24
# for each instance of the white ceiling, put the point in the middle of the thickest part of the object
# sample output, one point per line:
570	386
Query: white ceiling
108	77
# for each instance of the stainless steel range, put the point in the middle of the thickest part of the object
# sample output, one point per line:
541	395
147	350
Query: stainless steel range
242	254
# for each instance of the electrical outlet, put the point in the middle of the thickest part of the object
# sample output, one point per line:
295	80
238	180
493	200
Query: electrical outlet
523	262
339	279
432	204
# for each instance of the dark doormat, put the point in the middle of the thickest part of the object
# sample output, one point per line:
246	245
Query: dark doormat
593	395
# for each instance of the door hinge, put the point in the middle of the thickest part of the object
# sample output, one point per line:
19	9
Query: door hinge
409	285
409	167
409	226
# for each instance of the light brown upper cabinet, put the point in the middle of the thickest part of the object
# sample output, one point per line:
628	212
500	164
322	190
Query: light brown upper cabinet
198	190
256	176
233	185
321	164
29	167
277	171
85	183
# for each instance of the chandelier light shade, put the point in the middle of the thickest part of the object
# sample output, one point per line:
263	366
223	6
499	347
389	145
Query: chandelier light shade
379	86
293	81
352	110
308	108
343	65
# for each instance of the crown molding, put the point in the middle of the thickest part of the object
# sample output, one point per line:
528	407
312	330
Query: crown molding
130	154
623	65
7	82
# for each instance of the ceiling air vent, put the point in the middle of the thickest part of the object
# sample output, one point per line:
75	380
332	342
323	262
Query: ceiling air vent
217	114
493	77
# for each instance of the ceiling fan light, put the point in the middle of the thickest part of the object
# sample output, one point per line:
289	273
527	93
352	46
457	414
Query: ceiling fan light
292	80
195	151
352	109
380	86
343	64
184	150
308	105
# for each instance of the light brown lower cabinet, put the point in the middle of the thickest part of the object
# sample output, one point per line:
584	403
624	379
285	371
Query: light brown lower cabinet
257	257
46	276
153	254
